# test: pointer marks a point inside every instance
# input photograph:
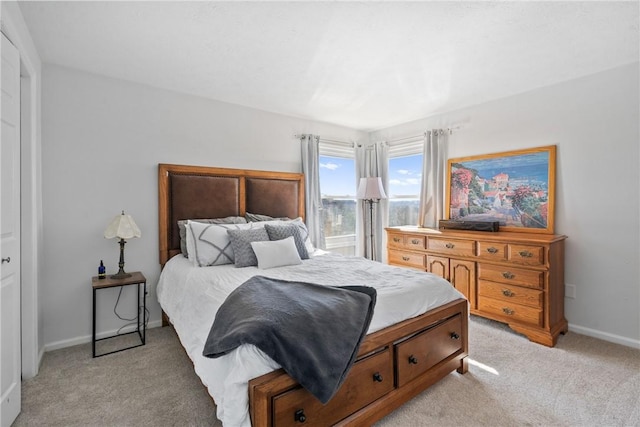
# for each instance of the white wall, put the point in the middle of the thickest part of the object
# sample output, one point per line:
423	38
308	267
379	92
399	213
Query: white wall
102	141
594	123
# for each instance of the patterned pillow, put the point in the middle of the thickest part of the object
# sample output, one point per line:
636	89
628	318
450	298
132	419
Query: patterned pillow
282	231
241	244
182	229
209	244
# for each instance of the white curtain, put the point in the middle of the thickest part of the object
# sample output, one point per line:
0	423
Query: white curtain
313	197
372	161
434	161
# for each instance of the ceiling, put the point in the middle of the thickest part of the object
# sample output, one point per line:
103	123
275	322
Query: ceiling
363	65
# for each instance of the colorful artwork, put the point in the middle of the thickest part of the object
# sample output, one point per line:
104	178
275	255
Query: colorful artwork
515	188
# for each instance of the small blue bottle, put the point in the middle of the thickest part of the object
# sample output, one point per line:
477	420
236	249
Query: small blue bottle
102	271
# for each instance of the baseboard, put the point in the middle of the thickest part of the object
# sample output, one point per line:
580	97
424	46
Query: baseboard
605	336
87	338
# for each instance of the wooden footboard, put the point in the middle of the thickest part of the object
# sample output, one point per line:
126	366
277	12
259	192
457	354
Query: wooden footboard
394	365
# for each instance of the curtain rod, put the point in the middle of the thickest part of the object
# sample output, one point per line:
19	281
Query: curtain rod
331	141
441	131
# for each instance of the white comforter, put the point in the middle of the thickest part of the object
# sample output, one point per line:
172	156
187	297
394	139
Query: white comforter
191	296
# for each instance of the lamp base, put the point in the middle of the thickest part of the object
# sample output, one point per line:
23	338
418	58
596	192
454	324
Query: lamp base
119	276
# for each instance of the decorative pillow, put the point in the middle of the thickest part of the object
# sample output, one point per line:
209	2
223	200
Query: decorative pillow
304	233
182	229
251	217
241	244
276	253
209	244
279	232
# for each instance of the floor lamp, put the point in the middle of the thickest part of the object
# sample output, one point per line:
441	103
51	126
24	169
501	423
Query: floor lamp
371	191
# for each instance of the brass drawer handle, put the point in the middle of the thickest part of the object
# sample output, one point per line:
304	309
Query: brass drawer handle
450	246
508	275
455	336
507	293
492	250
507	310
405	258
525	254
299	416
413	360
377	377
396	239
415	241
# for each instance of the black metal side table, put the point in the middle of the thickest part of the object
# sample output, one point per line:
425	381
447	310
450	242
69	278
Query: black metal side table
136	278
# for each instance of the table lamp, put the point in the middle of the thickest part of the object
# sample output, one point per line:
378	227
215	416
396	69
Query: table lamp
124	227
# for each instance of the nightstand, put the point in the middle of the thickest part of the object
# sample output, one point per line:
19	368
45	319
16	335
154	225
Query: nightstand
136	278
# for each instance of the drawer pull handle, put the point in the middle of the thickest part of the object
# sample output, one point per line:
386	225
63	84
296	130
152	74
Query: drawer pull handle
405	258
415	241
508	275
7	260
507	310
377	377
455	336
413	360
492	250
507	293
525	254
299	416
396	239
450	246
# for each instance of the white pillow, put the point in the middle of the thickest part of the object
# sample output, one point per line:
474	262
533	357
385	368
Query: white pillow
209	244
276	253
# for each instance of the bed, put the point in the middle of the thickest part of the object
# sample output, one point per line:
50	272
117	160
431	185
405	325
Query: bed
417	336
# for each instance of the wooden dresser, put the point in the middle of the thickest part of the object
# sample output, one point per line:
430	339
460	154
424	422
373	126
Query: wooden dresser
515	278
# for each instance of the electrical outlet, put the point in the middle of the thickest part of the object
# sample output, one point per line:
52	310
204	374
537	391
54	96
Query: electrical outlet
569	291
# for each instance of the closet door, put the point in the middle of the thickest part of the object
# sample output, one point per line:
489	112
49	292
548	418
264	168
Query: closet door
10	359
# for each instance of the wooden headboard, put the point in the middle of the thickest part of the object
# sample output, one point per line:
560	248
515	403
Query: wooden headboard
199	192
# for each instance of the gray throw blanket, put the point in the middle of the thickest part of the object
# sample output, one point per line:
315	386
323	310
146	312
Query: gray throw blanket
312	331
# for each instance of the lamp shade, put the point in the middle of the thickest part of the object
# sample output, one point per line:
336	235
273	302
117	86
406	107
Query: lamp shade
371	189
123	226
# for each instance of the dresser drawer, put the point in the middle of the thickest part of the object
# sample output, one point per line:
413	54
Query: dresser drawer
511	294
406	241
452	246
510	311
491	250
419	353
409	259
369	379
509	275
526	254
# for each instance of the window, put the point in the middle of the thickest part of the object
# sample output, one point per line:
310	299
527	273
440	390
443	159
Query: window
405	178
338	188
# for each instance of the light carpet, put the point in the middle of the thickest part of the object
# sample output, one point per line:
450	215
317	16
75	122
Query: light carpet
582	381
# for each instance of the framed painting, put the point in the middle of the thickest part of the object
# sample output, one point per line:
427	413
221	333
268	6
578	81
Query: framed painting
515	188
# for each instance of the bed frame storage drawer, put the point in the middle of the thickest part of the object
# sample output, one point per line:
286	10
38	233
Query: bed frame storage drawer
369	379
417	354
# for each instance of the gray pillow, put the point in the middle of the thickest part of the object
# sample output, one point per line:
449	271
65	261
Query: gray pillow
182	229
279	232
241	245
251	217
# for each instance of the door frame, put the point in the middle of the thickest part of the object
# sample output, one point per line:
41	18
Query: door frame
14	27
